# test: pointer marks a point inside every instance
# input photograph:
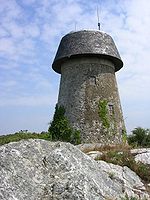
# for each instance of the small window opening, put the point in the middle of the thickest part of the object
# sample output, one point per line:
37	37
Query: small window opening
111	109
93	80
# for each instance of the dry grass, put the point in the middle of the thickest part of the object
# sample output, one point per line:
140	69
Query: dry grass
103	148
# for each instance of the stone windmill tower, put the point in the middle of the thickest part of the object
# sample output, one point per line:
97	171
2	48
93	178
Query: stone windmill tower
87	61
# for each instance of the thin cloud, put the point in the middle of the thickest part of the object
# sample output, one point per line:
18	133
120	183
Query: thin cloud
30	32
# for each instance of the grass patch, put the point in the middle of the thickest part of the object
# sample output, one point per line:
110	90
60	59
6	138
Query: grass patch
102	147
131	198
4	139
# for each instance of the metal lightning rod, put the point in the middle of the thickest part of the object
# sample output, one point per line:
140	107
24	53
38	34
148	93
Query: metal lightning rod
99	25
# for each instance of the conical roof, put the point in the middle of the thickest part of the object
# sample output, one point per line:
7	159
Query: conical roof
87	43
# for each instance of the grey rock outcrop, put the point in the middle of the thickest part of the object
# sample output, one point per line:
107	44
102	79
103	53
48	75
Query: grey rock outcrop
87	147
42	170
131	184
95	154
142	155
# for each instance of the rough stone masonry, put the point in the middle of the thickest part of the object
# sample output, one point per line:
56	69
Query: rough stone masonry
87	61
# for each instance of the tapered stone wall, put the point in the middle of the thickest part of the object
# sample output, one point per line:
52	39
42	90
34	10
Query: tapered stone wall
88	87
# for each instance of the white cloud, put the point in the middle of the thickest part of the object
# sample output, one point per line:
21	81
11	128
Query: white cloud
9	10
30	32
7	46
28	2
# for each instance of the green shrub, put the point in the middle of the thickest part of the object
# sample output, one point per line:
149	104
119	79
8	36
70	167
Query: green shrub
140	137
131	198
4	139
60	129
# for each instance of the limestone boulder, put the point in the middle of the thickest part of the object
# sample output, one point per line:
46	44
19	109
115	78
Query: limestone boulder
42	170
142	155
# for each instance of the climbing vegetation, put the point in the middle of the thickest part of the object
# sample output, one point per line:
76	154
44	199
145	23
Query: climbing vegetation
60	129
103	113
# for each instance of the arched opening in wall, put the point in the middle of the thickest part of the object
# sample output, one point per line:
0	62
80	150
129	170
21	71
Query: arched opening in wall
92	80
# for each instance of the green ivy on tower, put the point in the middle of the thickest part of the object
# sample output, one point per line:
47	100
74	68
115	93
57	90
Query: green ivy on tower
60	129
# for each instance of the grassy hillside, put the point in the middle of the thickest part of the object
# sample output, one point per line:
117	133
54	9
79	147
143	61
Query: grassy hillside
4	139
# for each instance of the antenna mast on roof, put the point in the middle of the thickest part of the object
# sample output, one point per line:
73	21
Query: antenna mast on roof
99	25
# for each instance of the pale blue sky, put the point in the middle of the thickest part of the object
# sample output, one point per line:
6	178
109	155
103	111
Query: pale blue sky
30	31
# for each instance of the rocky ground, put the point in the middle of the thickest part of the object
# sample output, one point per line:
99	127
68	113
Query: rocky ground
42	170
